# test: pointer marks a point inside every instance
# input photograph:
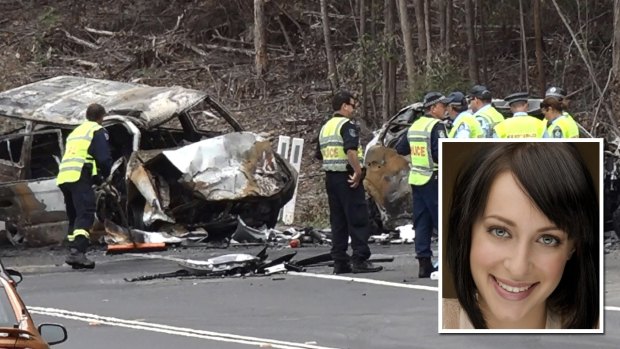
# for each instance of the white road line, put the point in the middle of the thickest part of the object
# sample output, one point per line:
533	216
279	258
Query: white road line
387	283
365	281
346	278
179	331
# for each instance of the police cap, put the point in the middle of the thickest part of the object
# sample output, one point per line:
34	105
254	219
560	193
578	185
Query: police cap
480	91
556	92
433	98
457	98
516	97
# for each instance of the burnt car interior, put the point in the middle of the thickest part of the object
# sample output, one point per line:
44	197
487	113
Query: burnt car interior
43	154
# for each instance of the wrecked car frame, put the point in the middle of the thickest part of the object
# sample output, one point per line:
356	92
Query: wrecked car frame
176	146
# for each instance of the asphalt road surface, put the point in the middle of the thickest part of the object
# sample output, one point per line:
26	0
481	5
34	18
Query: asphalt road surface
313	310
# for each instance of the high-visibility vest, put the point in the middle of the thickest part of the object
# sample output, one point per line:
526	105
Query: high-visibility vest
419	137
490	115
332	146
76	153
524	126
475	131
567	125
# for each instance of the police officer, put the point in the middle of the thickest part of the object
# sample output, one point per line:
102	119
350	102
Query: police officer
520	125
559	125
560	94
480	104
86	160
422	142
464	125
342	157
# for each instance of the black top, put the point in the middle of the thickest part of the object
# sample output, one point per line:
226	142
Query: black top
100	151
350	136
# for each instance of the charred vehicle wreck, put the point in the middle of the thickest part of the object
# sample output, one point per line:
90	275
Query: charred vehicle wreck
182	161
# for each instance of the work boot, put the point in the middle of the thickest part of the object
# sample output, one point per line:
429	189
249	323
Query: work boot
365	267
426	267
78	260
342	268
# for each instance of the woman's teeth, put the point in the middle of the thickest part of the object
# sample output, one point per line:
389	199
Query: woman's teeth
512	289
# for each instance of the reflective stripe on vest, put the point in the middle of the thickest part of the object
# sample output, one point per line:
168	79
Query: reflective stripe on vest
520	127
491	116
76	153
332	146
475	131
568	126
422	164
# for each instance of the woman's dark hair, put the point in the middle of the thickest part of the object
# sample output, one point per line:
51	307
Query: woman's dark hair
555	177
554	103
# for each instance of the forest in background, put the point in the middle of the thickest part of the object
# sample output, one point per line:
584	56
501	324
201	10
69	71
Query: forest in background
276	63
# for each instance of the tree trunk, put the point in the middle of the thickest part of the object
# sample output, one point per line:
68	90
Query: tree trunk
539	47
362	43
389	62
427	24
373	20
471	42
419	21
393	62
525	65
483	41
331	60
616	49
442	24
408	41
260	45
449	8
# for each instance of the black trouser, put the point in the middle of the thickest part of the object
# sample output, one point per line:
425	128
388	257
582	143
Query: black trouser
80	205
348	215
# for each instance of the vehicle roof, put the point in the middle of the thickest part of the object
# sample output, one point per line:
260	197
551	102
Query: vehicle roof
63	100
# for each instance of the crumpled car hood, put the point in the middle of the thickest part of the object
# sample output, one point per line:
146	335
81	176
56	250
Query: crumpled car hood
63	100
227	167
214	180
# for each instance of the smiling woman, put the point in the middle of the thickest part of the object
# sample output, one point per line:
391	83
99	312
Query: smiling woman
523	239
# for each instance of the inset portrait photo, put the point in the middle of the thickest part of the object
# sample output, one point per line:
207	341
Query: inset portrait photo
521	236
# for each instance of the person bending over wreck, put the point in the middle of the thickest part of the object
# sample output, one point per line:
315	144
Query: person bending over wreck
86	160
523	240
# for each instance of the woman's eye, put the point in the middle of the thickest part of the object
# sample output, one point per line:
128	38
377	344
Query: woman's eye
499	232
549	240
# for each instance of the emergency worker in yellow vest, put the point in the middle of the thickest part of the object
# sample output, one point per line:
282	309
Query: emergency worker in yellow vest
480	103
559	125
422	143
561	95
520	125
464	125
340	151
85	162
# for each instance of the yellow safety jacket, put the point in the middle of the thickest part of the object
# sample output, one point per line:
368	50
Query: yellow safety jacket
563	127
76	153
422	164
332	146
490	115
475	131
521	126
